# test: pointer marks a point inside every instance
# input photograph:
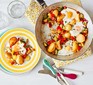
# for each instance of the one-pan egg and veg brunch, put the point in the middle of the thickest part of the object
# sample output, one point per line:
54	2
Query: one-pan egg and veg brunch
64	31
18	50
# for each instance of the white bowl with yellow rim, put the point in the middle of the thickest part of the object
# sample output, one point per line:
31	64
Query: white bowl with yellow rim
18	69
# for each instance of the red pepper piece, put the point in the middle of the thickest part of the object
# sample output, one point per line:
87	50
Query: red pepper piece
53	18
16	53
18	39
61	22
10	46
78	12
59	28
50	25
50	41
12	63
24	44
72	38
63	40
65	7
52	15
59	37
24	56
60	13
43	22
27	48
79	48
63	32
83	20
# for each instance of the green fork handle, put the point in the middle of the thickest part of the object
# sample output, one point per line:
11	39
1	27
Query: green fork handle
46	63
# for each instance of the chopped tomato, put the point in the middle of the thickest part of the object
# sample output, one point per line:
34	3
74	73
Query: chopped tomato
16	53
83	20
79	48
72	38
59	37
50	25
78	12
59	28
65	7
12	62
53	18
60	13
24	56
43	22
85	34
50	41
63	40
28	48
63	32
52	15
61	22
24	44
18	39
10	46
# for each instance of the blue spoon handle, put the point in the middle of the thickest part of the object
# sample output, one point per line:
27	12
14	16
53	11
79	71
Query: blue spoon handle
47	64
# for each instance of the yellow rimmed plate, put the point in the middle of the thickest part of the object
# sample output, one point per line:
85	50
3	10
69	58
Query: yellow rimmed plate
34	57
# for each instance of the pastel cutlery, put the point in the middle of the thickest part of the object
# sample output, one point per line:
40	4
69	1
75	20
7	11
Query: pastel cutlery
59	77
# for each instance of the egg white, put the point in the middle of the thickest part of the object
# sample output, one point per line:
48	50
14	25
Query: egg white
74	31
46	31
63	51
22	49
66	20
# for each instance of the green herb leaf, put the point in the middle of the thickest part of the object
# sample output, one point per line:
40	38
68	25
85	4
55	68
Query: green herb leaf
45	16
60	9
23	41
65	21
48	19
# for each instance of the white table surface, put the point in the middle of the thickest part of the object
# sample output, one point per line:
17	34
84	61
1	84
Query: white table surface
33	78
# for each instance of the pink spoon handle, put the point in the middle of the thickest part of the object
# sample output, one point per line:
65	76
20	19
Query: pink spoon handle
71	76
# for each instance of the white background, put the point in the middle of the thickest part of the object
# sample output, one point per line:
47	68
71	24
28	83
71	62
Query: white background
33	78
